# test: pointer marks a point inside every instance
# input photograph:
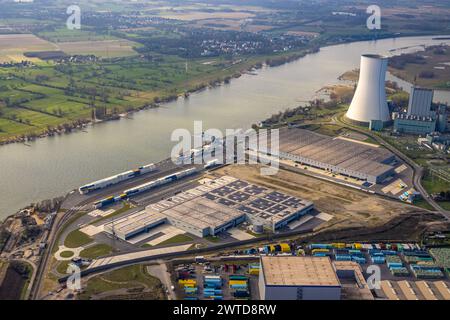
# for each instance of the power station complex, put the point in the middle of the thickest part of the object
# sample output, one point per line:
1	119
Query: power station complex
369	103
369	106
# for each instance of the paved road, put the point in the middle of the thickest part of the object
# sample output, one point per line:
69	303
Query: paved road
418	170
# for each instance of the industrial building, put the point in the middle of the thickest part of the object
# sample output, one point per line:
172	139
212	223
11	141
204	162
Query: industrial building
223	203
213	207
203	217
413	124
298	278
369	102
420	100
356	160
134	224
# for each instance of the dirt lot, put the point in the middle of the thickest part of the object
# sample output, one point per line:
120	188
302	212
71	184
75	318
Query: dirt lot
351	208
12	46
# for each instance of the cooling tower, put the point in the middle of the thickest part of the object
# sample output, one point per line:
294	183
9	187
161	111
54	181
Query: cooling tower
369	102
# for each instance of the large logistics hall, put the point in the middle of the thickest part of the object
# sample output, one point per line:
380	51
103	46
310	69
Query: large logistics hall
298	278
356	160
127	227
213	207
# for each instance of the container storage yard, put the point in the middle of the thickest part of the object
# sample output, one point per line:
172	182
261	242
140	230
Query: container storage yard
324	270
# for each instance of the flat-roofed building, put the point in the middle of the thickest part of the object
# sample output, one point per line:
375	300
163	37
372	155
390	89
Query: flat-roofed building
298	278
203	217
352	159
134	224
219	204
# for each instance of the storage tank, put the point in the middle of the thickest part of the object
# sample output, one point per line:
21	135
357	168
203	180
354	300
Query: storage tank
369	102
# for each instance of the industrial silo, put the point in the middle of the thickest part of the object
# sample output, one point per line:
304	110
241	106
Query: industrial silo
369	102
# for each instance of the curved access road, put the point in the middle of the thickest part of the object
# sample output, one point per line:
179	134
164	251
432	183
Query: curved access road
418	170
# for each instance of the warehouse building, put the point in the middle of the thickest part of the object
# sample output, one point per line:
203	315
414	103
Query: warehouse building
134	224
298	278
352	159
219	204
203	217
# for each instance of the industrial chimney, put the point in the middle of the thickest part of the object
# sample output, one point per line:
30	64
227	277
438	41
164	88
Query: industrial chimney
369	102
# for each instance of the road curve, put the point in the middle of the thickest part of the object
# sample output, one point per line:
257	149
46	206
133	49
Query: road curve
417	170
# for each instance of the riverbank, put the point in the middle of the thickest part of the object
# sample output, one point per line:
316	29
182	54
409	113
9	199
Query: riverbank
235	70
426	68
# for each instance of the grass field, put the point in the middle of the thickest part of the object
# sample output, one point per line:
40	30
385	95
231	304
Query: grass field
99	48
66	35
46	96
96	251
66	254
77	239
180	238
132	277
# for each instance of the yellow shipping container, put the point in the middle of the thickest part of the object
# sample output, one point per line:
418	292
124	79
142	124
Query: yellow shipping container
339	245
254	272
357	246
187	281
285	247
320	250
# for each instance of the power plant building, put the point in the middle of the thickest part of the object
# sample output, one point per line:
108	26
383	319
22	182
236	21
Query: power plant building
413	124
352	159
419	118
369	102
298	278
420	100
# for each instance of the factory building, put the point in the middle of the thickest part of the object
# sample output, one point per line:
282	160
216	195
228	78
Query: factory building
202	217
352	159
413	124
223	203
419	118
369	102
134	224
213	207
420	100
298	278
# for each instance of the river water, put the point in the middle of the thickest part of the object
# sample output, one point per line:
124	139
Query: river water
52	166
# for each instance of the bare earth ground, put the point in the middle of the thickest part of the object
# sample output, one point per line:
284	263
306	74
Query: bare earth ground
13	47
354	212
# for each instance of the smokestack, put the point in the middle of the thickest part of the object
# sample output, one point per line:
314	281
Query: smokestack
369	102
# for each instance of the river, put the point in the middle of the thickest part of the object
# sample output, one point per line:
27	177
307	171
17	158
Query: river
52	166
